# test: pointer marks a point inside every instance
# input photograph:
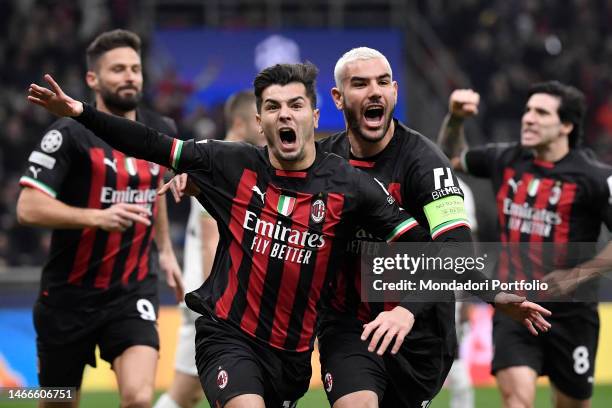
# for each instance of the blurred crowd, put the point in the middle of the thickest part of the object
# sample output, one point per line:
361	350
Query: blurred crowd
502	46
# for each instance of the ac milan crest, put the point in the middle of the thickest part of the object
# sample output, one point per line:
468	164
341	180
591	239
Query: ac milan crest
154	168
317	211
329	382
222	379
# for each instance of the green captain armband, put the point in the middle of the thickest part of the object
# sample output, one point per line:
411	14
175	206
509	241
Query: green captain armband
445	214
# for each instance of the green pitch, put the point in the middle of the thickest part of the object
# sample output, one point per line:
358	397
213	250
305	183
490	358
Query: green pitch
485	397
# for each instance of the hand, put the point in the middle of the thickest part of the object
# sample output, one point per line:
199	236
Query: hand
179	185
122	216
55	100
174	279
563	282
394	323
463	103
528	313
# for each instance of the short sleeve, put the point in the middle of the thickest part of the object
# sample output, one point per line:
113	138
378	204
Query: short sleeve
482	161
50	160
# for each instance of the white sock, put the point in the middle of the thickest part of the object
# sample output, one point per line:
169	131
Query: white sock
166	402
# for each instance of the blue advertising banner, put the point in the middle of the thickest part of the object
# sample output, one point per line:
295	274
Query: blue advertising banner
213	64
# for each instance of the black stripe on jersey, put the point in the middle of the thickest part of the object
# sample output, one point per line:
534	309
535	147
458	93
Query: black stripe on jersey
302	324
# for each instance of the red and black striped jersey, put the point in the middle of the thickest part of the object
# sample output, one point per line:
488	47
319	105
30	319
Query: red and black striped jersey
418	175
91	267
282	233
544	202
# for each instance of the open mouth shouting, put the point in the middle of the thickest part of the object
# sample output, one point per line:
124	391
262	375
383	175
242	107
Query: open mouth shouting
374	115
288	138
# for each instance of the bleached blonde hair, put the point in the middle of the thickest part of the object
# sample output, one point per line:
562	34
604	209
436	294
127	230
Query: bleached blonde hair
356	54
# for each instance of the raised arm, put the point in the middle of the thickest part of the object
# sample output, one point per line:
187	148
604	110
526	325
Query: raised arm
130	137
463	103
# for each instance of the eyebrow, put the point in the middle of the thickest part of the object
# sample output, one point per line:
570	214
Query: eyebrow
358	78
292	100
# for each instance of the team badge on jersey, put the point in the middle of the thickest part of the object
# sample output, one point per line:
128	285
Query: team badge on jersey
555	194
222	379
286	205
329	382
154	168
51	141
317	211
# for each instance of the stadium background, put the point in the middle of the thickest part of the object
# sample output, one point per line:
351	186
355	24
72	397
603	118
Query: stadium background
198	52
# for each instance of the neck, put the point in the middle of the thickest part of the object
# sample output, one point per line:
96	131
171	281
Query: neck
101	106
552	152
361	148
231	136
294	165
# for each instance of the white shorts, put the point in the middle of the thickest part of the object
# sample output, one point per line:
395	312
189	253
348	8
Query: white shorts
185	348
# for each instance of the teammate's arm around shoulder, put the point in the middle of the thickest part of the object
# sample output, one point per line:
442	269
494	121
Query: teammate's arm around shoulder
462	104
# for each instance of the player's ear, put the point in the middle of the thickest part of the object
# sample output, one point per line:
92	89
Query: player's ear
337	97
258	117
395	90
316	114
566	128
92	79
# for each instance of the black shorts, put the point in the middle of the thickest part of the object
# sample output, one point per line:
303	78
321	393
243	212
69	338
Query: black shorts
66	339
566	354
411	378
232	363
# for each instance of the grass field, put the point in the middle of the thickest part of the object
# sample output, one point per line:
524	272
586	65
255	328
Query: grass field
485	398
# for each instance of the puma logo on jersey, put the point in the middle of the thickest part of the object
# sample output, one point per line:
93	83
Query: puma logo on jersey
111	164
514	184
259	193
35	171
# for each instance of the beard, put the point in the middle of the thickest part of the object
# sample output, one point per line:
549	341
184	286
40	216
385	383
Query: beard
115	102
353	124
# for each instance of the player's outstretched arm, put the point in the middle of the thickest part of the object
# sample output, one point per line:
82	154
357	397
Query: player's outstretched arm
530	314
462	104
125	135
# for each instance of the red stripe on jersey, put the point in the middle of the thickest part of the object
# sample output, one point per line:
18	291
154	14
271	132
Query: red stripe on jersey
140	230
395	189
502	194
564	208
295	174
83	252
515	233
535	248
240	203
259	265
291	276
335	204
113	243
362	163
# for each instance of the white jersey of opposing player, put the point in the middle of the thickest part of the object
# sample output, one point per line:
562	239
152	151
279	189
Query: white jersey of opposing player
192	264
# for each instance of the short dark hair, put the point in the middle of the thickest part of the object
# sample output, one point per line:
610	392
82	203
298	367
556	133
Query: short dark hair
283	74
237	104
110	40
572	106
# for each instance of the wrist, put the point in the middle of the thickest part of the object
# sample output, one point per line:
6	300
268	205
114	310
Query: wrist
454	119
